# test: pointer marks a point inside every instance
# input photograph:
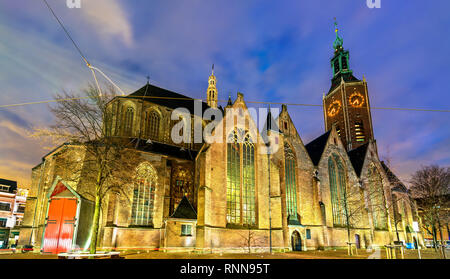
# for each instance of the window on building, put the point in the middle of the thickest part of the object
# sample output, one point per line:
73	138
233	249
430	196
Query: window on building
308	234
3	222
152	120
248	191
18	222
359	131
336	66
21	209
5	206
186	230
4	188
241	197
143	195
181	186
337	180
344	62
376	199
291	182
233	180
128	121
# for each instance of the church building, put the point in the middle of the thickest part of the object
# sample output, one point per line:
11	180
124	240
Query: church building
230	195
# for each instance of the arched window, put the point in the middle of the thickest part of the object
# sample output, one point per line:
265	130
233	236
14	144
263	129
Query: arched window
143	195
376	198
152	125
233	180
181	186
128	121
248	193
337	189
241	193
291	182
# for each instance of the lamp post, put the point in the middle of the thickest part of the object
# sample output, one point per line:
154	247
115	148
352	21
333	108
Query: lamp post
416	229
270	215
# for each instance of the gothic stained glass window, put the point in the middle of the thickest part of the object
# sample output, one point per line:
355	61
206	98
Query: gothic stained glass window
152	125
233	181
241	194
128	121
143	195
376	197
337	180
291	183
181	186
248	191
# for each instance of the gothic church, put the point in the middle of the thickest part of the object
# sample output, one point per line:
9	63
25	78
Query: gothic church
229	196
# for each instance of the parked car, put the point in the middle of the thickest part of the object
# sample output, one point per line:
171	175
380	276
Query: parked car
27	248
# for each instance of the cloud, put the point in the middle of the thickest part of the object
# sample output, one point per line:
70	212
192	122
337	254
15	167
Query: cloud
109	19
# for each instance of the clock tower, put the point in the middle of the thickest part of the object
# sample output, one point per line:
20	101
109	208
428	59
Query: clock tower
346	105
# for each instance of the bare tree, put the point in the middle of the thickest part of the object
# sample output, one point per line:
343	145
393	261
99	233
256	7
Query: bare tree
251	239
85	122
356	201
430	187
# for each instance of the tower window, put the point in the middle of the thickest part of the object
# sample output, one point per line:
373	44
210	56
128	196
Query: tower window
344	62
336	66
359	131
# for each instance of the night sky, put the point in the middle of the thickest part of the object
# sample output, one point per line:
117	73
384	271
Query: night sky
275	51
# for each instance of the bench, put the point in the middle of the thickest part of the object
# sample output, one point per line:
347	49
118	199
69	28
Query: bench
82	255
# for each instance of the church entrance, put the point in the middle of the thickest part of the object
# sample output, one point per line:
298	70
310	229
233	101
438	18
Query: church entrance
296	241
61	219
357	241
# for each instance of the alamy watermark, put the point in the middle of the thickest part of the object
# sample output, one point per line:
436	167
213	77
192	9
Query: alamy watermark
73	4
232	125
373	4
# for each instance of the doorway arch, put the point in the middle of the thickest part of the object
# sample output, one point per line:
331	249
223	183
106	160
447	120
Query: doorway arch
296	241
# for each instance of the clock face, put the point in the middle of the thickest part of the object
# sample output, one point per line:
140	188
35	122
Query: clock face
356	100
334	108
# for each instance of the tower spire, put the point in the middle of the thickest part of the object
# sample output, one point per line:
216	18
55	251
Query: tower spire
211	93
338	42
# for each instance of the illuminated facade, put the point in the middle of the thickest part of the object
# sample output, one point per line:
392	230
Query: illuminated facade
207	197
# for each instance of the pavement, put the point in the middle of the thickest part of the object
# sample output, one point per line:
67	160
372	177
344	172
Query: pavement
328	254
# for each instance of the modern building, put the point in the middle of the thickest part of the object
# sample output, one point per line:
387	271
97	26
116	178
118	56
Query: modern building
248	189
12	208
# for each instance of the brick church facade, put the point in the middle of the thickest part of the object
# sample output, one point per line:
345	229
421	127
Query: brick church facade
229	195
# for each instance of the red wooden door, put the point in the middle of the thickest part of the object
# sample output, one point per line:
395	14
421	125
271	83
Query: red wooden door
60	225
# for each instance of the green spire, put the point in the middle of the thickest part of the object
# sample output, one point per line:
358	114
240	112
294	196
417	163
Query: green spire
339	41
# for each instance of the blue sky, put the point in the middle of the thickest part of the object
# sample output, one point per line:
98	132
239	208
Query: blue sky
269	50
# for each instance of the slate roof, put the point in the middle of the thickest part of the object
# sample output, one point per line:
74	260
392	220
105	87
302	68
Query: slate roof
357	157
174	100
348	77
11	183
393	179
316	147
184	210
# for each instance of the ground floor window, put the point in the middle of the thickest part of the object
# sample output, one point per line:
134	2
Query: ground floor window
186	230
308	234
